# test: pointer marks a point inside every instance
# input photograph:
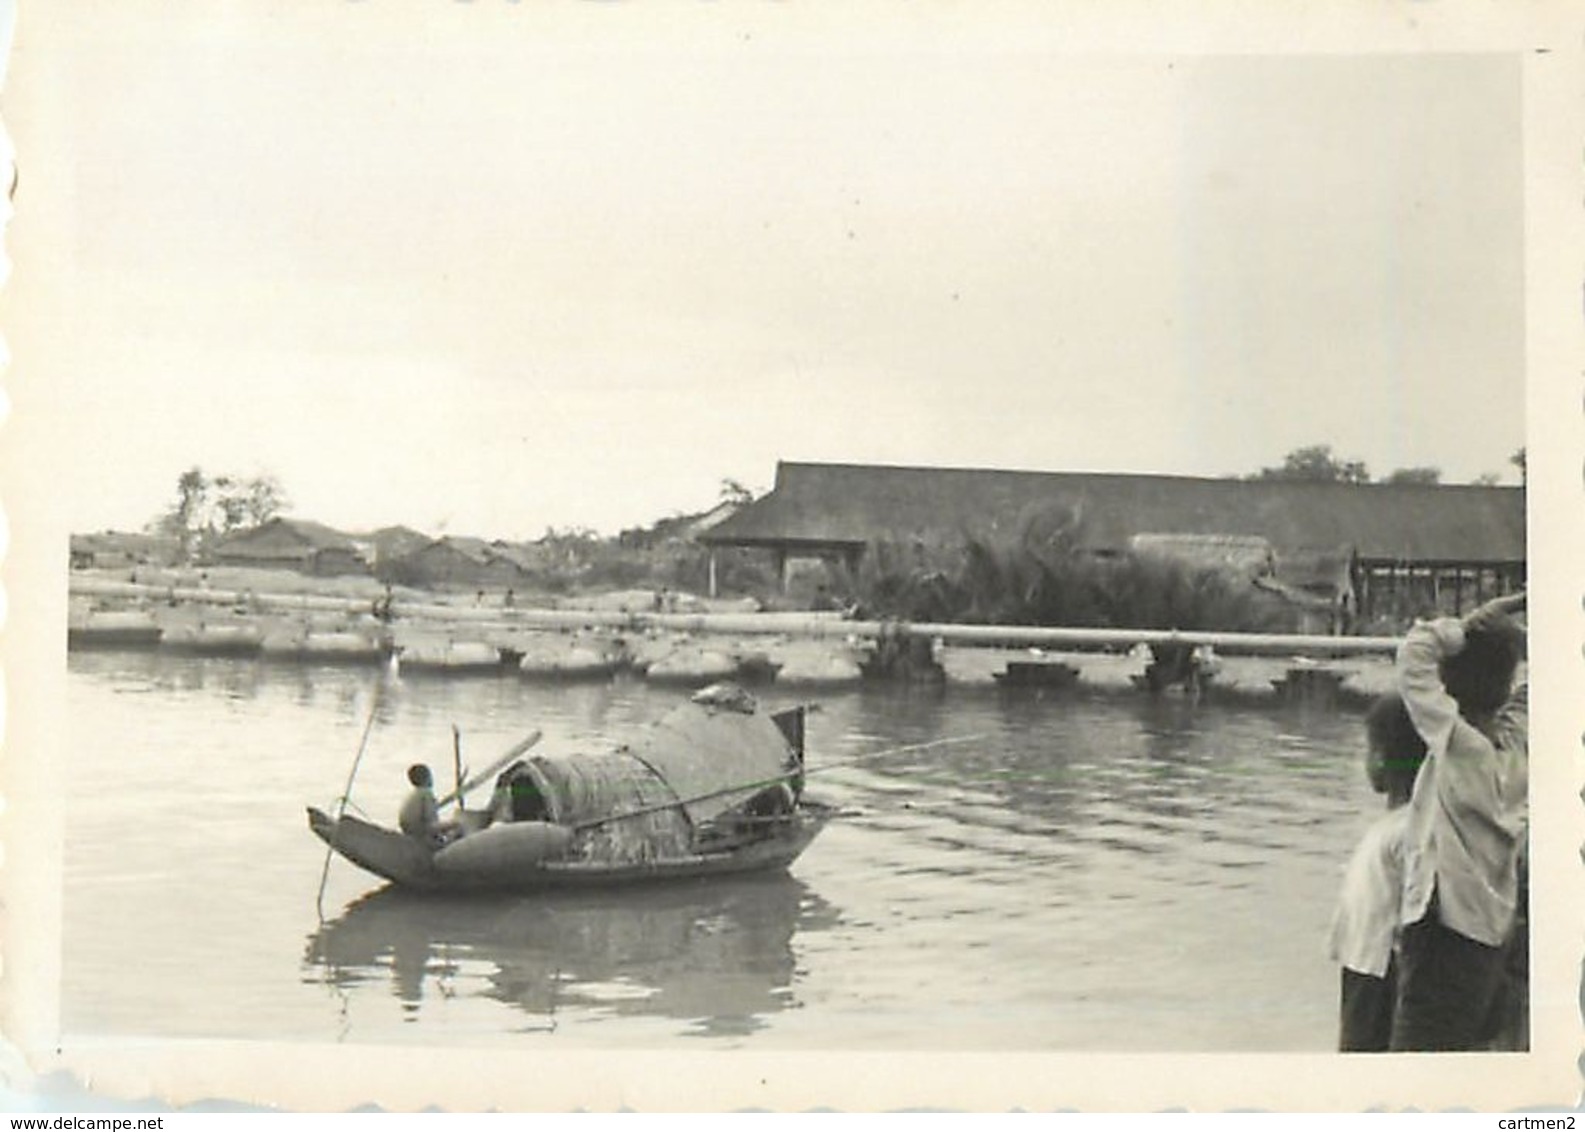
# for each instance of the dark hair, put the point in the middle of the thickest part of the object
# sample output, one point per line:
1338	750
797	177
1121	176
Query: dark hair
418	774
1396	748
1479	676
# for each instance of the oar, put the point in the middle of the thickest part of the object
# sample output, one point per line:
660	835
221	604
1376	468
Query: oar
479	779
641	811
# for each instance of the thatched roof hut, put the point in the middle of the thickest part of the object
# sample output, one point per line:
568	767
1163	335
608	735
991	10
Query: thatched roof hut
462	561
293	544
392	544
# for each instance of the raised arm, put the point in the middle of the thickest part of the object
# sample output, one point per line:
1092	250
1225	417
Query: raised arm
1478	766
1433	712
1432	708
1508	609
1507	605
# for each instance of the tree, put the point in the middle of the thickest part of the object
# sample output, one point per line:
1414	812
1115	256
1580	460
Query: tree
206	508
1518	460
230	506
184	519
192	494
264	499
1316	463
733	491
1415	475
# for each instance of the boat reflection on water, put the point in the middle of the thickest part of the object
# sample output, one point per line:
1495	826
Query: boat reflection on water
718	954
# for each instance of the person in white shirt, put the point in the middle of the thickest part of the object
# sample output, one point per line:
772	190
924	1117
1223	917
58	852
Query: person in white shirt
1365	925
419	817
1467	825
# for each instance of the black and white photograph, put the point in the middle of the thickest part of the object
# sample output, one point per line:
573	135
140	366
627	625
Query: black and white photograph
700	556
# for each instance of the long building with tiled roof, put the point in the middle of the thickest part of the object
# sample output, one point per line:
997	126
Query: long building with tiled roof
1466	536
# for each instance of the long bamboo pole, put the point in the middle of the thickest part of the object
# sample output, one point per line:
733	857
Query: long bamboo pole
477	780
346	793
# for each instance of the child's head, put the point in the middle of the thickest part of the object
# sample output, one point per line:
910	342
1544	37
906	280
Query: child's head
1480	675
1395	749
418	774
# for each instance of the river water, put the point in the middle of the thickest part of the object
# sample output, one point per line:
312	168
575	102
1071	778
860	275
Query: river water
1102	873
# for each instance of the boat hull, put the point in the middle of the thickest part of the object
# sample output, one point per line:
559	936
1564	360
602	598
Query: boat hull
405	862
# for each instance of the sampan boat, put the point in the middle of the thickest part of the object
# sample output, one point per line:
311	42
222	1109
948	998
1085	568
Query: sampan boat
713	787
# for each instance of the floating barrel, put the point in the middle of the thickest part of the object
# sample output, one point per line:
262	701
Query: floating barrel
568	660
818	667
504	849
112	628
450	656
214	640
1043	674
648	649
694	666
283	640
324	647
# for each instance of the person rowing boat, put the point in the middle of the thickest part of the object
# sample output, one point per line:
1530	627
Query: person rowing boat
419	816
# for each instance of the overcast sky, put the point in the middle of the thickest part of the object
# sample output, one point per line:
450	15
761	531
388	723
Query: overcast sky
481	271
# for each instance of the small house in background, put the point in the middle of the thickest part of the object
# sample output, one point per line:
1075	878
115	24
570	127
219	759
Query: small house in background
387	546
528	558
117	550
458	561
292	544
